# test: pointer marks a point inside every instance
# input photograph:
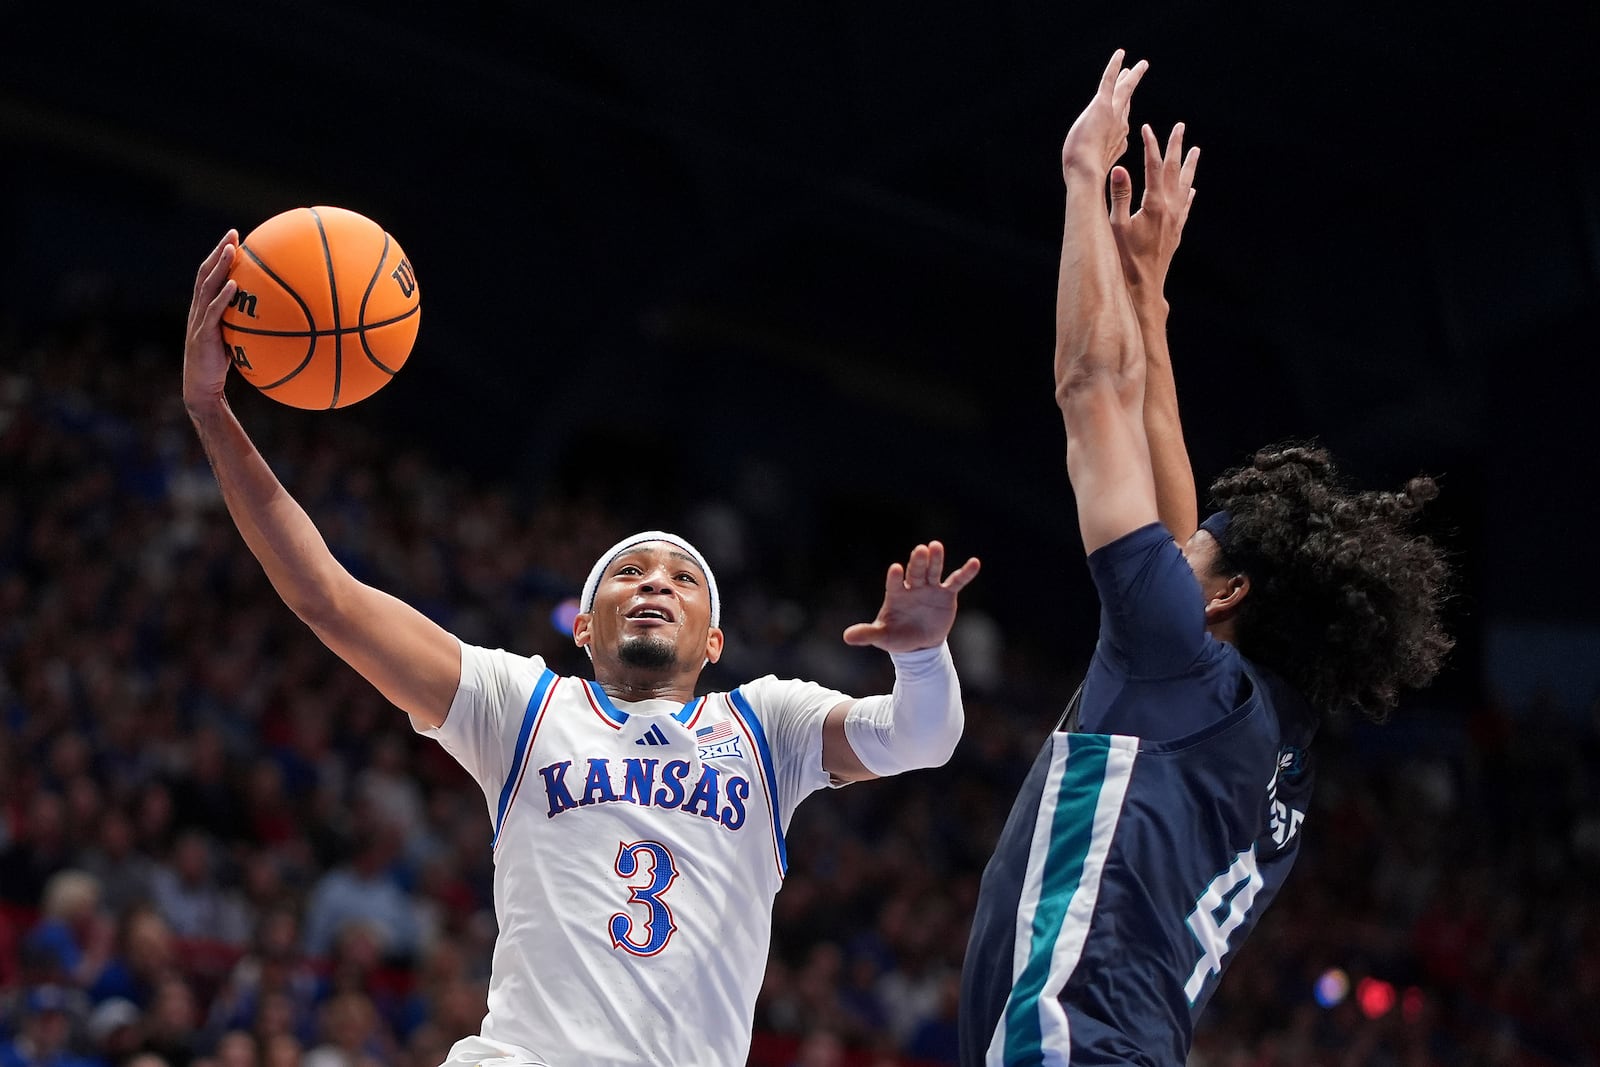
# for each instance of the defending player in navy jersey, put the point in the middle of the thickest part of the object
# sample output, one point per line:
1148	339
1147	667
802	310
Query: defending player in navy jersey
1153	831
637	827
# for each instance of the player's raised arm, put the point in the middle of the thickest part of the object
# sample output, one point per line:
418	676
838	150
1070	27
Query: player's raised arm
1100	360
919	723
410	659
1146	240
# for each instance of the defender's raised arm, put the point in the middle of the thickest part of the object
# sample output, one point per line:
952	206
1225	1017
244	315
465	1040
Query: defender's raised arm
1100	359
1146	241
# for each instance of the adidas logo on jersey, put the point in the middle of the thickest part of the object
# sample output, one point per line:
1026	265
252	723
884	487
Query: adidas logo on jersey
653	736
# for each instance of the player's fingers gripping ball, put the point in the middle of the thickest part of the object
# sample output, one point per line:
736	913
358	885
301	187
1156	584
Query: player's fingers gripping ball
326	309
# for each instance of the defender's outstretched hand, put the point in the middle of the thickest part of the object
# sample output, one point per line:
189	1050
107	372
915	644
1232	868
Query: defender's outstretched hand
1099	136
918	606
205	357
1147	238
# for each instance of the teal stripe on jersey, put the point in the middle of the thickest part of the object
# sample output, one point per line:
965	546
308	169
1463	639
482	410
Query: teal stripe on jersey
1071	831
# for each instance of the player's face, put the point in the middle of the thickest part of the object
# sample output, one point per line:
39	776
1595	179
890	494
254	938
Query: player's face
652	612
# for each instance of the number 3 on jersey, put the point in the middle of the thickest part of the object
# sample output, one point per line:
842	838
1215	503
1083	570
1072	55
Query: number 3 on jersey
658	925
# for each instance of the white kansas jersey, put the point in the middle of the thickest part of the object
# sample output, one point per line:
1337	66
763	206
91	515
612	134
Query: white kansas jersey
637	850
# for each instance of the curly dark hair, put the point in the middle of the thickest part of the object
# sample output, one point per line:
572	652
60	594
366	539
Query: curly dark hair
1344	599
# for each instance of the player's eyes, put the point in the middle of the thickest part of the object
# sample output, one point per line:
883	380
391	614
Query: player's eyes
629	569
685	576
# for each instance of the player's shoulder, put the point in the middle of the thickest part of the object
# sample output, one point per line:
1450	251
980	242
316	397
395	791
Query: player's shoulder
482	660
1133	547
1288	722
770	684
770	697
756	689
1286	702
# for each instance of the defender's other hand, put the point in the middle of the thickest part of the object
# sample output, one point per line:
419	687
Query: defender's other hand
1100	134
205	357
918	606
1147	239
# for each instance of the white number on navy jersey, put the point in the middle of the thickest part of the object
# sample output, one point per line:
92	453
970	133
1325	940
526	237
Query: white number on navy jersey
1235	888
1282	820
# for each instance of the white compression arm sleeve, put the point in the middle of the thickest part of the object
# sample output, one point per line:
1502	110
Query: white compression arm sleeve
918	724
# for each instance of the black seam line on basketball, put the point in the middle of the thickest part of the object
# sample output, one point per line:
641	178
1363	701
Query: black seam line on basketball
333	291
374	360
257	332
305	309
372	284
311	351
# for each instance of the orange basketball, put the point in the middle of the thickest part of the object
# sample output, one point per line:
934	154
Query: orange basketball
326	310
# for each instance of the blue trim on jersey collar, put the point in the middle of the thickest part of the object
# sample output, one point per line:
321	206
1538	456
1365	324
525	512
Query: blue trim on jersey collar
529	716
603	702
618	716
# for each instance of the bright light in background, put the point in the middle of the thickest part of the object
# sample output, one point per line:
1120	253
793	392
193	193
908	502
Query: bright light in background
1375	996
563	614
1332	987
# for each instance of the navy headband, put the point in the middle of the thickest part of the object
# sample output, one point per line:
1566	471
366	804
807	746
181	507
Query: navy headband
1216	524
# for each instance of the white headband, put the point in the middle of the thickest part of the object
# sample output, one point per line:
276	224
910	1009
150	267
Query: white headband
592	586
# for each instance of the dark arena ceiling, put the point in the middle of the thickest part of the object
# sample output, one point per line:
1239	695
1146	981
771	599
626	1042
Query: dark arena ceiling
826	233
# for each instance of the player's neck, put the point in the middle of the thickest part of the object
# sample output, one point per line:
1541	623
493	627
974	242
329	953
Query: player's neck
634	687
1223	630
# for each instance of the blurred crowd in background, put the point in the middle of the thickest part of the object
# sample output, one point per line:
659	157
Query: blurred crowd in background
219	846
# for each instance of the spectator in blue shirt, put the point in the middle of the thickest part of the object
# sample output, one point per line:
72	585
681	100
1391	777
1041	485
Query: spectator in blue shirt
46	1028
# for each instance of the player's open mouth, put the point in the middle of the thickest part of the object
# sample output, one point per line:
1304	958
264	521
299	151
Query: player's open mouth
650	613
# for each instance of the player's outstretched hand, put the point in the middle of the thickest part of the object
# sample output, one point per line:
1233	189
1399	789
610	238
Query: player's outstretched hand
919	606
1100	134
1147	238
205	357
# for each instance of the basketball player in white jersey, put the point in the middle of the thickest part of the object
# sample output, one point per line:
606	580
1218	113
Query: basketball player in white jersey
638	830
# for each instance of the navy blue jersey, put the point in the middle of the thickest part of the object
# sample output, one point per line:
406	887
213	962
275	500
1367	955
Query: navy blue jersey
1142	849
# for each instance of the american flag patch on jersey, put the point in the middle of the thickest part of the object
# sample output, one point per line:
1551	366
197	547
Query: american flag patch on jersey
708	735
717	740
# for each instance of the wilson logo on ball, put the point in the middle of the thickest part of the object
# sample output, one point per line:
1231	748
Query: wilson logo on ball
408	281
245	302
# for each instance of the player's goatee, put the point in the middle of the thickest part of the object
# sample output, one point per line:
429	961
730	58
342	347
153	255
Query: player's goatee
652	653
